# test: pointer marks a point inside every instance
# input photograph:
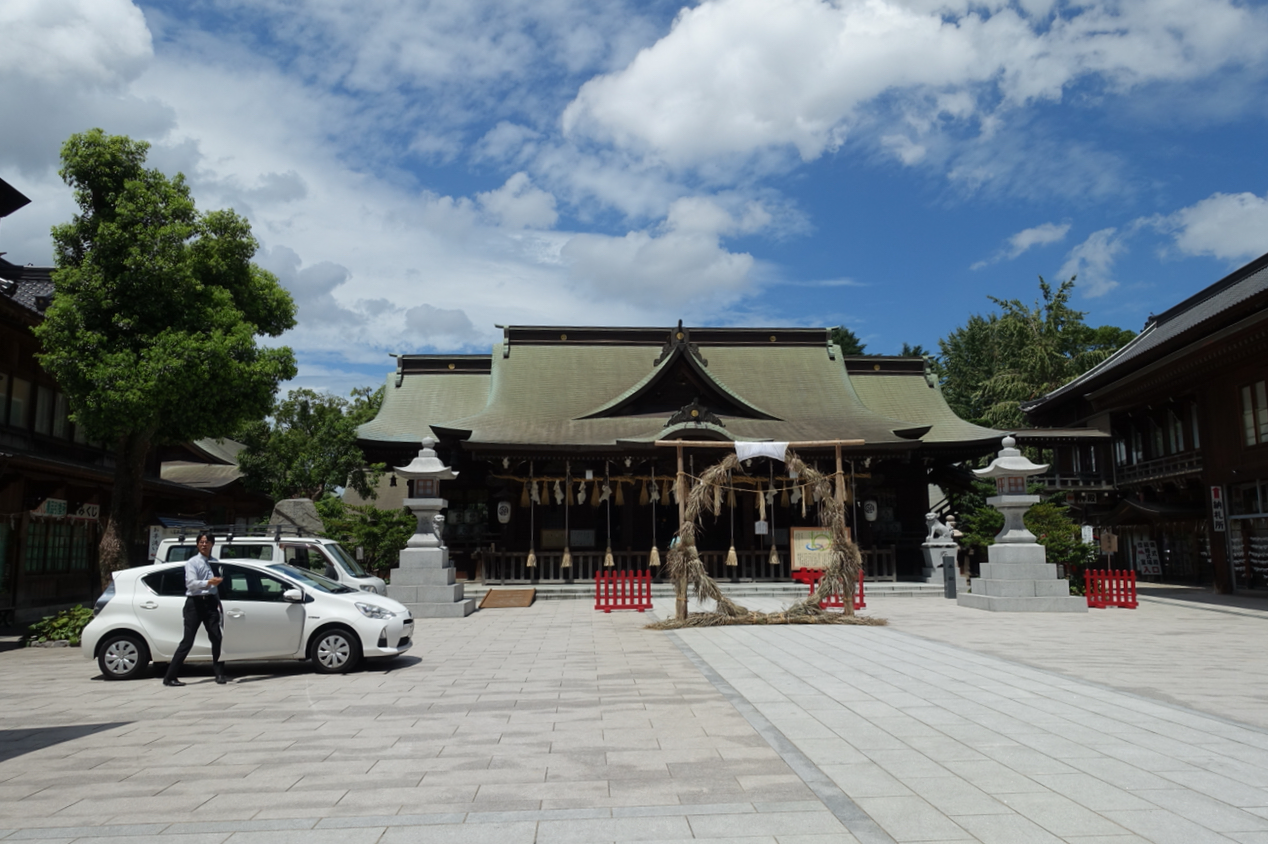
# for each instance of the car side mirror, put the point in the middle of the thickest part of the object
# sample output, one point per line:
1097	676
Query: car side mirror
294	596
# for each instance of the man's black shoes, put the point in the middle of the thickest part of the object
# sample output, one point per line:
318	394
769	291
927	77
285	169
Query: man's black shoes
173	683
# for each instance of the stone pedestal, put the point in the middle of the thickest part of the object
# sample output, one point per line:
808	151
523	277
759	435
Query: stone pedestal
424	581
1019	579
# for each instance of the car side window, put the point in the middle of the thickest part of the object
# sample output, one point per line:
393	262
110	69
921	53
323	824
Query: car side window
242	584
180	553
246	552
169	582
301	557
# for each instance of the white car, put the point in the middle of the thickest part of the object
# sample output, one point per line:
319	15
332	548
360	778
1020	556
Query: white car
315	553
270	611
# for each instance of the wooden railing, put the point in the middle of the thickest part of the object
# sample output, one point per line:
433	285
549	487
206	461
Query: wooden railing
1175	466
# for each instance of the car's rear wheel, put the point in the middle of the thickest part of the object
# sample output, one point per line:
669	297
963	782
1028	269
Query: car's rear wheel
123	656
334	651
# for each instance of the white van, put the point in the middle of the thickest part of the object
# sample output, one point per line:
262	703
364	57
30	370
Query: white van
270	544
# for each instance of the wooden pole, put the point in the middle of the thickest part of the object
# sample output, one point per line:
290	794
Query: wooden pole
840	480
680	583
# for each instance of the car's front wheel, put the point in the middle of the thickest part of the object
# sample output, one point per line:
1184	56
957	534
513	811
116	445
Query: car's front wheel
123	656
334	651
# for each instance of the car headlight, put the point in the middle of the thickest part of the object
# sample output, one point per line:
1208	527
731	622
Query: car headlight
371	611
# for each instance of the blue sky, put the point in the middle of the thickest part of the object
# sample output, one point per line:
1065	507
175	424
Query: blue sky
418	173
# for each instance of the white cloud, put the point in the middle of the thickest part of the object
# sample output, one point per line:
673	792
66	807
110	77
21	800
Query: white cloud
1228	226
65	67
1093	262
519	205
440	327
737	77
1041	235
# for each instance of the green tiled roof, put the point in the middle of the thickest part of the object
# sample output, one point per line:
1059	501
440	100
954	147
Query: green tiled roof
422	400
899	388
561	388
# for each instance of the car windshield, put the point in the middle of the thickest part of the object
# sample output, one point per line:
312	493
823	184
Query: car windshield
316	581
353	567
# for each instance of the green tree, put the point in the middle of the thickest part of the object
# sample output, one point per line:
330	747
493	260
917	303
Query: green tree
153	325
308	448
993	364
381	534
910	351
848	341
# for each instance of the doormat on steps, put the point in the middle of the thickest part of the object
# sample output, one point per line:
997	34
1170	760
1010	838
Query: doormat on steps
498	598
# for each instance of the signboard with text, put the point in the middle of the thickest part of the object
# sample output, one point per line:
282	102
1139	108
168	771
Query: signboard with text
1147	559
1217	508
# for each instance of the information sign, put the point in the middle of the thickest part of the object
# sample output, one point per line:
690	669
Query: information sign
1147	559
1217	508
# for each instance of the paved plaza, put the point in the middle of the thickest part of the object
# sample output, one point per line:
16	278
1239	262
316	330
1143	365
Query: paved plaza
557	724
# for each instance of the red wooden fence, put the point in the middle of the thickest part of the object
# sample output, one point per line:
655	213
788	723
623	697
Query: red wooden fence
812	576
1110	588
623	590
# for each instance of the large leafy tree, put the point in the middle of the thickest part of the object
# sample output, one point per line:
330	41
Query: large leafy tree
153	326
993	364
309	446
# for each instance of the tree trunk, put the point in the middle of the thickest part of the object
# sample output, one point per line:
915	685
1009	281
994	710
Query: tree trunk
115	550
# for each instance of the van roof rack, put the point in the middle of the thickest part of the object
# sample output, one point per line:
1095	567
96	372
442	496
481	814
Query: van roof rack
232	532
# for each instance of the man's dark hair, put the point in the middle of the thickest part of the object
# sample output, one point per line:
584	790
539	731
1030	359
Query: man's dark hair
207	534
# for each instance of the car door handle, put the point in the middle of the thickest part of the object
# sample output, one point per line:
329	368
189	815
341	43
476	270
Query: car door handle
237	613
149	605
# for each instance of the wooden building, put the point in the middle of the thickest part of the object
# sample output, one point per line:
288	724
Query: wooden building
1181	478
563	437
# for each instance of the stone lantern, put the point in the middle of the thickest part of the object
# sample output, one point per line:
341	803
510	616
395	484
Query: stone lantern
424	580
1018	577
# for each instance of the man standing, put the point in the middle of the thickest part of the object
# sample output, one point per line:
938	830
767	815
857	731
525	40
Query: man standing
202	606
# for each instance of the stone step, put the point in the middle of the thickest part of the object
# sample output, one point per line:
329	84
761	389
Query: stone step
735	591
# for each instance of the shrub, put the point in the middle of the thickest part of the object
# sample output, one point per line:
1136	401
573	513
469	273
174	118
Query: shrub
67	624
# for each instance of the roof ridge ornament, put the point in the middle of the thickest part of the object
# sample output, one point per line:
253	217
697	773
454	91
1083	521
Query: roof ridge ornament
697	413
680	338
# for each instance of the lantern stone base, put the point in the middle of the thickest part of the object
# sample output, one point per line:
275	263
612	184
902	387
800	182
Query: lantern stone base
1018	579
424	582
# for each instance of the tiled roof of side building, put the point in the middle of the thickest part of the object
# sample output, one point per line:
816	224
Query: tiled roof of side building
1202	313
29	287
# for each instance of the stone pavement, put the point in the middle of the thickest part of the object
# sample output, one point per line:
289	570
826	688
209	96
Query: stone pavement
560	724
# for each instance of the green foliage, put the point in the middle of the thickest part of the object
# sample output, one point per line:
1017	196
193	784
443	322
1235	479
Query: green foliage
846	339
381	534
155	314
910	351
67	625
993	364
978	522
156	309
1062	539
309	447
